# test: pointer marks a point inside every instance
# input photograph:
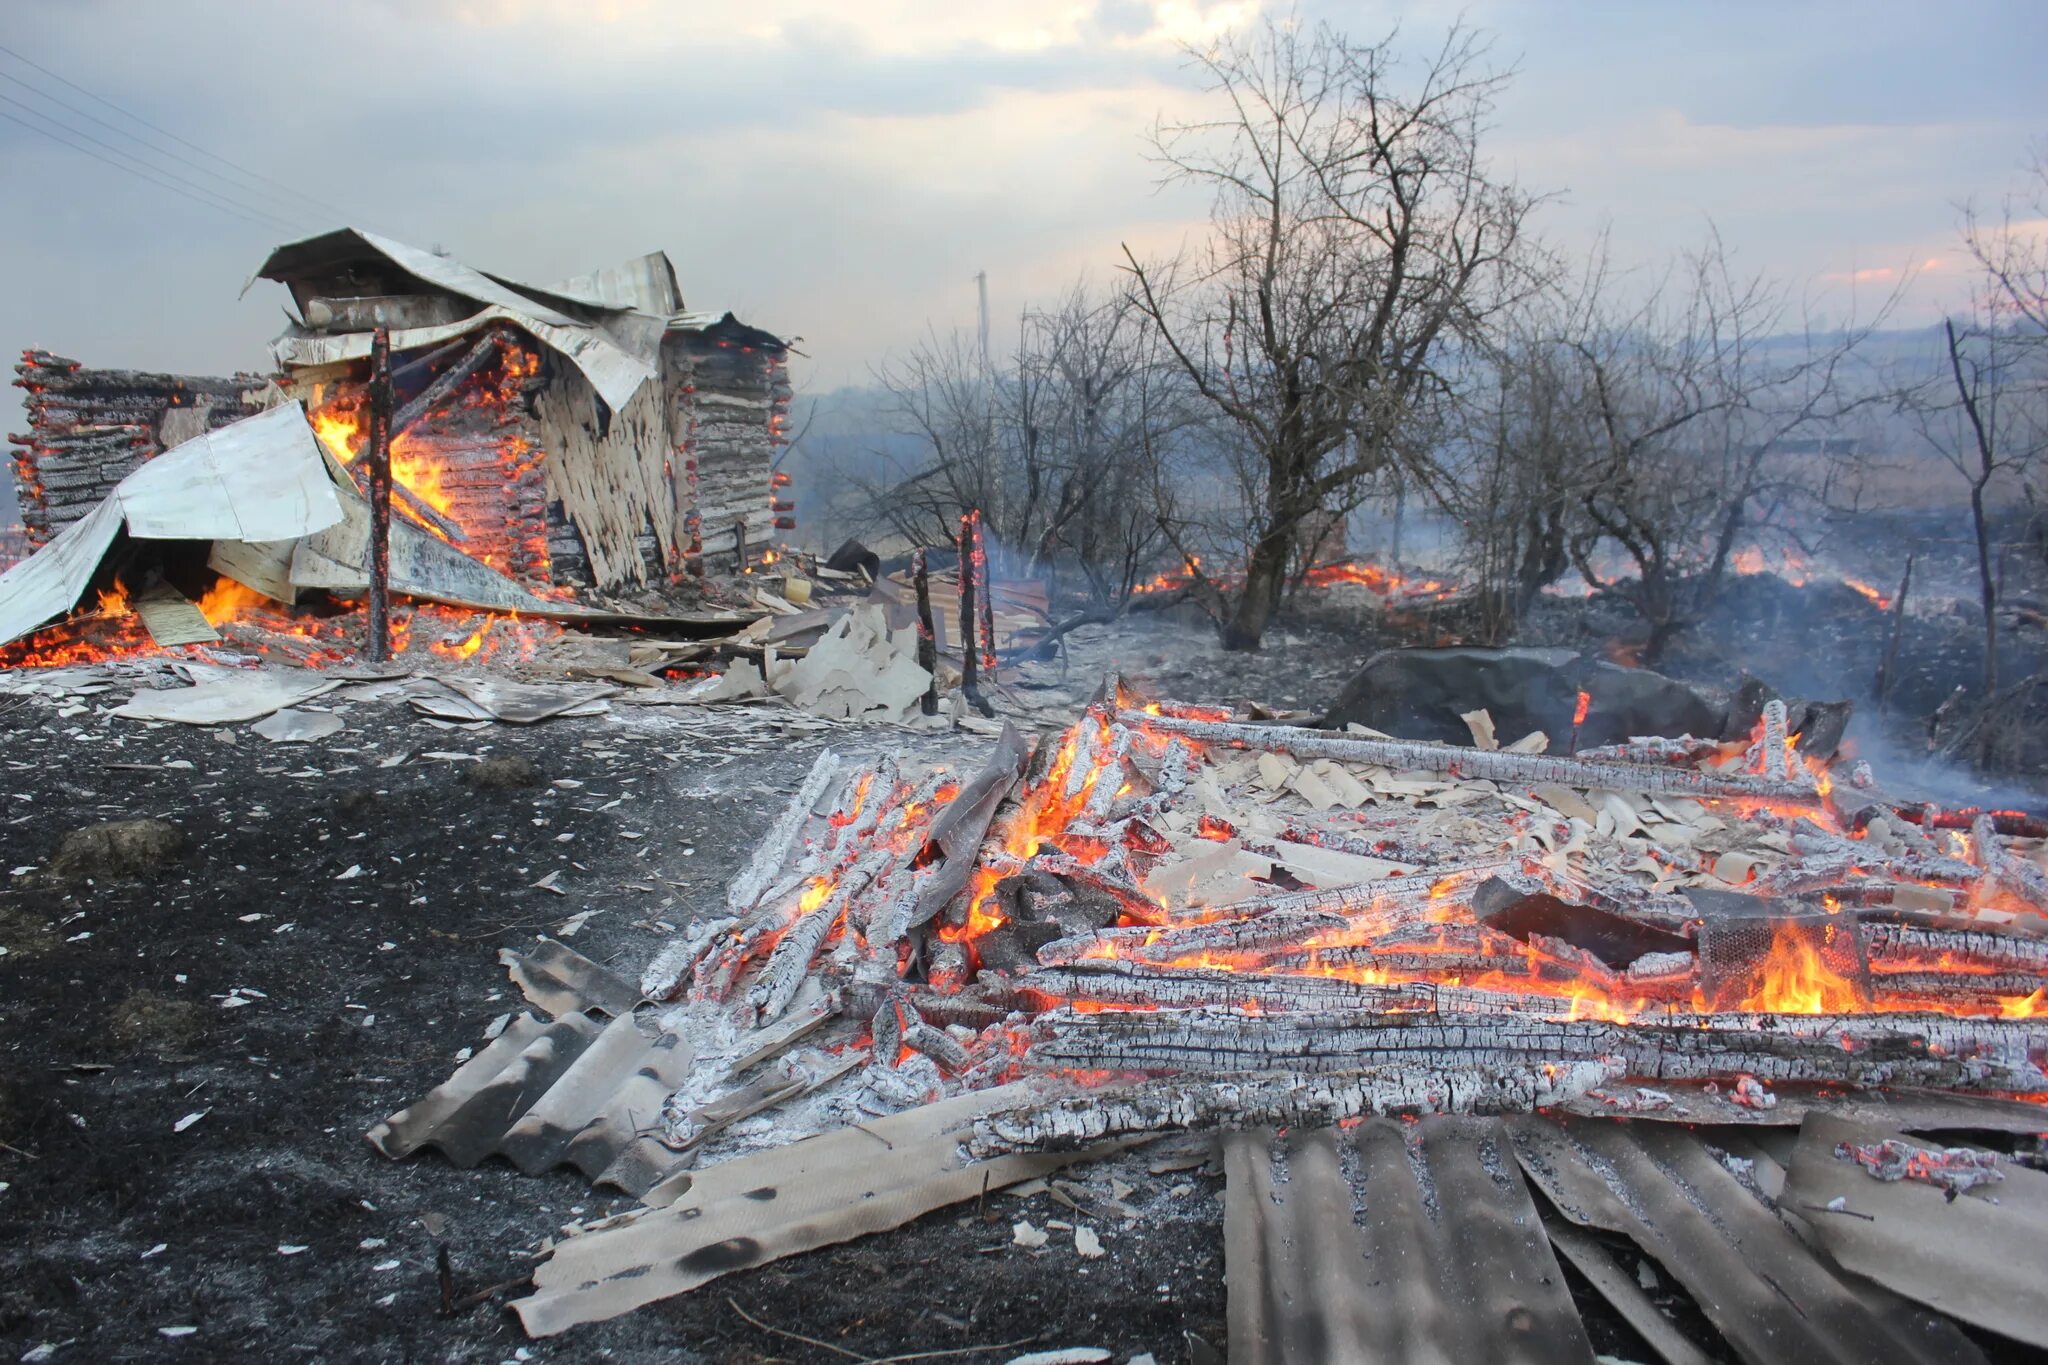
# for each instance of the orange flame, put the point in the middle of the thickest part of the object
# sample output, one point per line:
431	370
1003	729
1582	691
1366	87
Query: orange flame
1797	981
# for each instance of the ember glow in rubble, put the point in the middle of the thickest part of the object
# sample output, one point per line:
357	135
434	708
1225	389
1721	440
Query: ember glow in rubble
1175	916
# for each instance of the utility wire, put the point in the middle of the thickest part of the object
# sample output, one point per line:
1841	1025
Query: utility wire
145	175
259	210
236	187
342	215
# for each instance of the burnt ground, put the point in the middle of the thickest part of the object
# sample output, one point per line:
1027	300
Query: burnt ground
271	1226
113	1028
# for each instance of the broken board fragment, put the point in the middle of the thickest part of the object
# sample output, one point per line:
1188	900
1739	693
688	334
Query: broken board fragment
475	699
171	619
559	979
297	727
759	1208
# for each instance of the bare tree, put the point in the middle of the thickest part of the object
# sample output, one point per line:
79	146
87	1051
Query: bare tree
1355	234
1053	443
1646	428
1985	415
2012	252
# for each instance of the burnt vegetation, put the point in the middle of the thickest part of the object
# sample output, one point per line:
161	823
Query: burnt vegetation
1374	333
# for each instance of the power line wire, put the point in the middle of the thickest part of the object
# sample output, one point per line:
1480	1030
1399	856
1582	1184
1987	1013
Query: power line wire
117	131
258	209
343	214
145	175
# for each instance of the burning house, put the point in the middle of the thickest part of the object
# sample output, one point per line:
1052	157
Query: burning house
590	435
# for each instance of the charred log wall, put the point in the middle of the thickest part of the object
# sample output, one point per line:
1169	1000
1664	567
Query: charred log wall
89	429
729	384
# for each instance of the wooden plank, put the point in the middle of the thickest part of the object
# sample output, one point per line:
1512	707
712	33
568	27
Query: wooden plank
171	619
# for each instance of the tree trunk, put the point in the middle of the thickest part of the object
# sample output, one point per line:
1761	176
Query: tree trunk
1264	580
1987	587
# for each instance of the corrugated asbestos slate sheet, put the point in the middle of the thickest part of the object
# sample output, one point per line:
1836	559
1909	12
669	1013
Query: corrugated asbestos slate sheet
1766	1292
1390	1241
571	1091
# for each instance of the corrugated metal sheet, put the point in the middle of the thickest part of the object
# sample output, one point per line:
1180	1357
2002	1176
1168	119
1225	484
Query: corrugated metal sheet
1389	1242
544	1094
1757	1283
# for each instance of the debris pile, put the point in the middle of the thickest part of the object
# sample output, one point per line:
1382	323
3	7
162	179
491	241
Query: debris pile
1167	917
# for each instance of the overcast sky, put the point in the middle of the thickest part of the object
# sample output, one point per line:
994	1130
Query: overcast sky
840	169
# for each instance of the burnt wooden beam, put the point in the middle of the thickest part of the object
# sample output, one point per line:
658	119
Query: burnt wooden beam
1494	765
445	384
927	635
970	650
377	456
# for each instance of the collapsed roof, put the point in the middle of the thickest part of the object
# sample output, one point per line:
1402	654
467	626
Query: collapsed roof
608	323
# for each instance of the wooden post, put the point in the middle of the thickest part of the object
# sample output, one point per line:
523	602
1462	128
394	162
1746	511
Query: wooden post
927	635
377	456
985	588
970	648
1887	672
739	542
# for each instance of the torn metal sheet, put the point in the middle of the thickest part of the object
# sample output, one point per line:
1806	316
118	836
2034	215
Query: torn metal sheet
1979	1256
1389	1242
49	582
224	696
1760	1286
755	1209
261	478
569	1092
500	699
559	979
613	371
646	284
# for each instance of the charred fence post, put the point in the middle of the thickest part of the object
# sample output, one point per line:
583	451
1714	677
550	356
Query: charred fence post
970	649
985	589
927	636
1888	671
377	457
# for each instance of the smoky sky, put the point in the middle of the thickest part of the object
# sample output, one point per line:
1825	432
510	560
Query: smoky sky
840	171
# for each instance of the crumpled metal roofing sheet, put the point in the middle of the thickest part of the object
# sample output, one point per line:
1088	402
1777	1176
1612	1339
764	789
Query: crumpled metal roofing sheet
262	479
614	371
1413	1242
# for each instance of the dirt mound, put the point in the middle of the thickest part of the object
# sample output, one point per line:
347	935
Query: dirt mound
148	1021
501	772
117	848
